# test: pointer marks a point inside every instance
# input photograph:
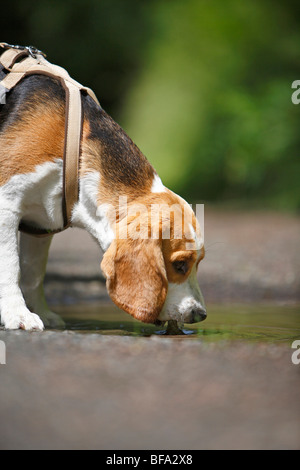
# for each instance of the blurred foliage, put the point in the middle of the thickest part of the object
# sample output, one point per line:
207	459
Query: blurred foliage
203	87
212	107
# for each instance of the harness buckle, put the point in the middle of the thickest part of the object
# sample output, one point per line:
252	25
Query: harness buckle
32	51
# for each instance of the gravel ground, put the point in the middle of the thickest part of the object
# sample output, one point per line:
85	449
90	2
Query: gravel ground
66	390
72	391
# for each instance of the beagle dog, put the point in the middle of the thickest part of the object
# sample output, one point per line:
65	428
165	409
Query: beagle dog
150	270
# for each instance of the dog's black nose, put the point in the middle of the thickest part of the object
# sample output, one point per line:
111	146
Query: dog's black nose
198	314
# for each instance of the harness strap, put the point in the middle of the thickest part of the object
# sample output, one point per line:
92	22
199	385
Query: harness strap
10	56
72	149
37	64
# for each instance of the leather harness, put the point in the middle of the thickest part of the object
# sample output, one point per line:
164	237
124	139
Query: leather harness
19	62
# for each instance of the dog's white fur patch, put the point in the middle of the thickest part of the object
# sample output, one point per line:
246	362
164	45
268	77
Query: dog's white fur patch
157	185
182	299
35	197
88	214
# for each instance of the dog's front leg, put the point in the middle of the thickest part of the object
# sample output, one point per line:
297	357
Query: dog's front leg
13	310
33	261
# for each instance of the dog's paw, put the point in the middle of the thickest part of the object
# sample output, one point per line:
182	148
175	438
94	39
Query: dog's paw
23	319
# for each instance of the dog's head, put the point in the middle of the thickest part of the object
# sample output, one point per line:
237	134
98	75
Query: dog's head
151	265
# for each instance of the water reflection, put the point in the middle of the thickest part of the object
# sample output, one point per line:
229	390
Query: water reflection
234	322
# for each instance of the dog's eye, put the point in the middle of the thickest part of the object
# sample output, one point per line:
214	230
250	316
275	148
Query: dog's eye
180	267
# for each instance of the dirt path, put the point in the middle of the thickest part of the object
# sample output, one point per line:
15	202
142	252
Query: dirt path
72	391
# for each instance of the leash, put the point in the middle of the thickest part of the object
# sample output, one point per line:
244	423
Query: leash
22	61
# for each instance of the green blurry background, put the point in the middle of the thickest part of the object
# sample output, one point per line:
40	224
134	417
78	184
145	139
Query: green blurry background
203	87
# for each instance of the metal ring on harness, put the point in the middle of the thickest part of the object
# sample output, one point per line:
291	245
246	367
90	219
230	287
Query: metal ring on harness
32	51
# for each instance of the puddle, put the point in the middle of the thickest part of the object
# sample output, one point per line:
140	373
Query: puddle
264	323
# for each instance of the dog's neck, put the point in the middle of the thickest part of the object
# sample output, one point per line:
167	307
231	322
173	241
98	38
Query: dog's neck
111	166
87	213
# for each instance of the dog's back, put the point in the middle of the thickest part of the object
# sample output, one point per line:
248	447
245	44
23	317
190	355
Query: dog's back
33	119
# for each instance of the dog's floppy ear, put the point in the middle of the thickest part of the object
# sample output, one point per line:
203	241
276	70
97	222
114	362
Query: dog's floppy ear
136	277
